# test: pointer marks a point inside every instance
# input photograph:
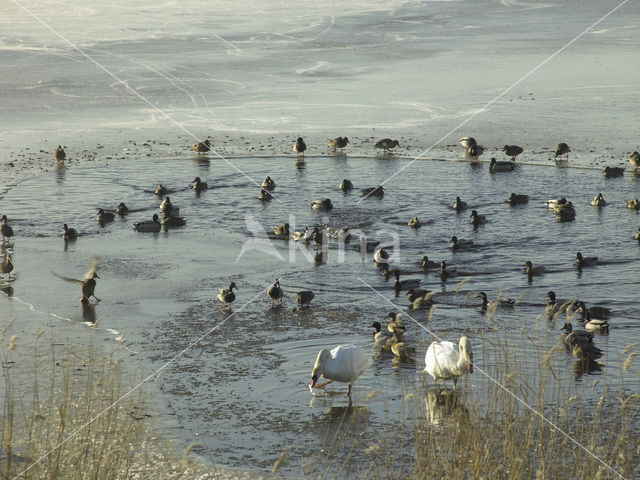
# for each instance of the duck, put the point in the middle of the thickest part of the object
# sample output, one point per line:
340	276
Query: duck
88	283
477	219
517	199
275	292
226	295
613	172
122	209
595	325
414	293
202	147
381	256
572	336
168	209
443	362
637	235
338	142
299	147
586	353
69	233
171	221
422	302
104	217
344	363
321	205
160	190
268	184
396	325
379	336
459	205
404	284
346	185
400	349
7	265
562	149
598	201
445	272
386	144
373	191
264	195
59	154
460	244
634	204
318	237
281	229
386	273
501	166
152	225
597	311
199	185
414	223
634	160
5	229
426	264
585	261
301	236
512	151
498	302
468	142
475	151
533	270
554	306
556	203
304	297
566	213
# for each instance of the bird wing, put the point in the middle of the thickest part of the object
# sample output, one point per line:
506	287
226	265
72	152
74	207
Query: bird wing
68	279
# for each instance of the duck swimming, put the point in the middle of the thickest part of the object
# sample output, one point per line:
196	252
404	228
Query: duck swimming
264	195
199	185
498	302
532	270
404	284
379	336
152	225
443	362
104	217
321	205
168	209
414	223
275	292
173	221
202	147
515	199
426	264
122	209
268	184
281	229
226	295
299	147
386	144
160	190
598	201
634	204
59	154
613	172
585	261
595	325
339	142
460	244
5	229
414	293
345	363
346	185
373	191
381	256
459	205
69	233
477	219
304	298
496	166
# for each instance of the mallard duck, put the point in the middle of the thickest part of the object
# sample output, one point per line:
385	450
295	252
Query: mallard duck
226	295
173	221
304	297
396	325
445	272
345	363
104	217
634	160
339	142
299	147
88	282
303	235
59	154
556	203
281	229
562	149
160	190
414	293
613	172
496	166
386	144
400	349
572	336
322	205
634	204
585	261
199	185
373	191
122	209
427	264
202	147
275	292
168	209
264	195
414	223
268	184
460	244
532	270
7	265
477	219
475	151
386	273
512	151
594	325
586	353
515	199
379	336
426	301
443	362
318	237
346	185
555	306
459	205
152	225
468	142
598	201
381	256
404	284
5	229
69	233
498	302
567	214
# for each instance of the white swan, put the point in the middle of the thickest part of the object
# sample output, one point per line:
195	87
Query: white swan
443	362
345	363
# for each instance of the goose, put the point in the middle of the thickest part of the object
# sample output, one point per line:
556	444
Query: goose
281	229
264	195
122	209
598	201
226	295
59	154
386	144
426	264
468	142
562	149
585	261
634	204
477	219
475	151
275	292
5	229
496	166
512	151
7	265
303	235
381	256
69	233
404	284
168	209
379	336
304	297
396	325
104	217
415	223
634	160
613	172
460	244
88	283
152	225
594	325
414	293
338	142
173	221
160	190
199	185
515	199
498	302
443	362
345	363
459	205
346	185
373	191
268	184
322	205
299	147
532	270
202	147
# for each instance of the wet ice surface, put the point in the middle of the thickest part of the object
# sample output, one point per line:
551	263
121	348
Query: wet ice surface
240	389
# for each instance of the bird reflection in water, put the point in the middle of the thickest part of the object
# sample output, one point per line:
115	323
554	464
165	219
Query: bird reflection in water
89	314
442	404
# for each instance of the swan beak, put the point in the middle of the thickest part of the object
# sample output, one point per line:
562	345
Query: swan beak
314	380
